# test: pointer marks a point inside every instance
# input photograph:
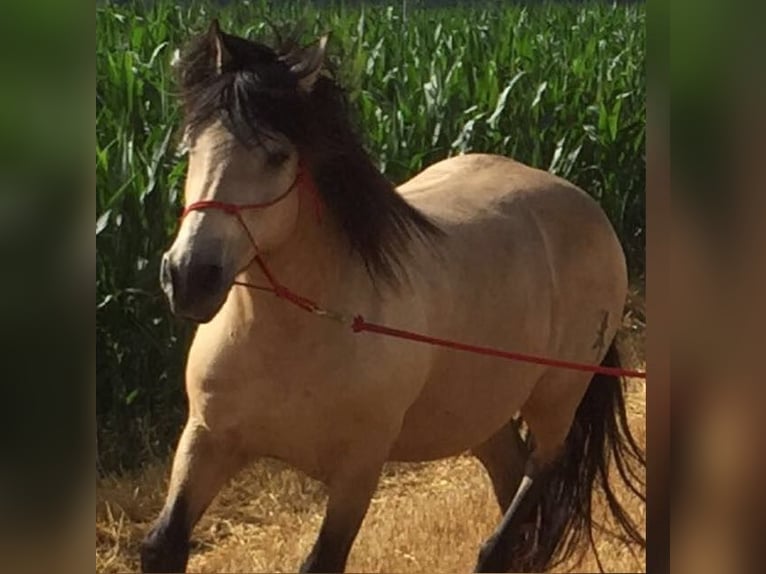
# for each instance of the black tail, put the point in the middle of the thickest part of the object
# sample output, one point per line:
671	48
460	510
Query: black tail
562	521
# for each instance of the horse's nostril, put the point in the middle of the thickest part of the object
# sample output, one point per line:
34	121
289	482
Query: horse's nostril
193	291
205	278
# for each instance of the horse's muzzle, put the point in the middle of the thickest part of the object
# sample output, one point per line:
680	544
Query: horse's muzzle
195	291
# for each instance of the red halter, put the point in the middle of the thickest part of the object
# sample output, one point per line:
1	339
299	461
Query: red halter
302	179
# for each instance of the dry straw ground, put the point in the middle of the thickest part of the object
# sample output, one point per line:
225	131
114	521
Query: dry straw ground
424	518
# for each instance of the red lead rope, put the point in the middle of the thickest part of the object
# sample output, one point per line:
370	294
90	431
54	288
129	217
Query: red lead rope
358	323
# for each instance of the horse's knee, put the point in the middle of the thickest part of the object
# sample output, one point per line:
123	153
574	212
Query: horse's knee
351	488
201	466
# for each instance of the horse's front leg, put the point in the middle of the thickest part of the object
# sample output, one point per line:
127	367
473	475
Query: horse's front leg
350	490
202	464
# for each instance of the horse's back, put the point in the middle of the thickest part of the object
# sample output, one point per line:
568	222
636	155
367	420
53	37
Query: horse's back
473	185
500	201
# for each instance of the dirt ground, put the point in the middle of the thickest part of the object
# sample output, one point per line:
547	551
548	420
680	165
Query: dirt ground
424	517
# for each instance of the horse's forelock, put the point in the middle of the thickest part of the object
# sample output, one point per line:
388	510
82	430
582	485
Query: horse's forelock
257	93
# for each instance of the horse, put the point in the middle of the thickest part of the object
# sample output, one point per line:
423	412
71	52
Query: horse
282	197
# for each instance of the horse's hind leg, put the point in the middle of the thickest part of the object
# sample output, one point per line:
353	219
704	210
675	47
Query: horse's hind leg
503	456
548	413
201	465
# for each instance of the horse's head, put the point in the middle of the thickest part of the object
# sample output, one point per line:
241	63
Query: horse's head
247	109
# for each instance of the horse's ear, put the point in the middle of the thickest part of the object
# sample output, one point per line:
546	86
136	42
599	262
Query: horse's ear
221	54
309	64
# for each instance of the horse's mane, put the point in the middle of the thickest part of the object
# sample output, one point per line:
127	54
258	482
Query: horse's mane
256	92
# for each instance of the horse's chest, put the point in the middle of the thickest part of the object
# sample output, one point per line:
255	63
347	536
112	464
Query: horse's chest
305	412
306	400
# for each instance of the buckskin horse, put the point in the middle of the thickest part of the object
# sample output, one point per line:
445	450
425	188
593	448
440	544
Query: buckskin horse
282	199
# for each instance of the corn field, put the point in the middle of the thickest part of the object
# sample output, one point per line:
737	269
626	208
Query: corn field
557	86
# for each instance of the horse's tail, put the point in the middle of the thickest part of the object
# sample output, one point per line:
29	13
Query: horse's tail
564	519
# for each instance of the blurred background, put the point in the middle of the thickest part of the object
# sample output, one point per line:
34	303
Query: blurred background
716	78
560	86
704	276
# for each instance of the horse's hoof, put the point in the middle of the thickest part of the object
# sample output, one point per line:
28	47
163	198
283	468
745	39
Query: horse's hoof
487	560
159	553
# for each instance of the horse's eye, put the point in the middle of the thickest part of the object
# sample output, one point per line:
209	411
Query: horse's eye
277	158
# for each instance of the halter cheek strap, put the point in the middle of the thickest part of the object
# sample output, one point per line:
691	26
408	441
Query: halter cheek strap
303	180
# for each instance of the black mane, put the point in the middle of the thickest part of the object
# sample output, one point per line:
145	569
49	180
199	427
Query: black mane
256	92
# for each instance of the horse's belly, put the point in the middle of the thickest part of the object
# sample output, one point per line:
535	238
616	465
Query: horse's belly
462	405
